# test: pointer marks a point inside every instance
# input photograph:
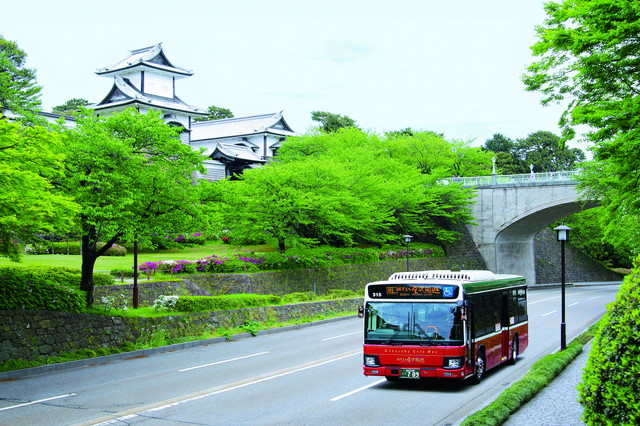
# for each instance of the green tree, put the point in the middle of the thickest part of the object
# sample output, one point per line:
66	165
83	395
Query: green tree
19	91
132	177
27	204
544	150
588	235
589	54
71	106
340	189
504	149
499	143
216	113
433	155
546	153
609	388
332	122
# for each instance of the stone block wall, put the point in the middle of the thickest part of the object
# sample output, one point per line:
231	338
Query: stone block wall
578	266
319	281
30	335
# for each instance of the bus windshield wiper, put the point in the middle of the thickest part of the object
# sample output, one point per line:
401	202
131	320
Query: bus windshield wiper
425	337
395	333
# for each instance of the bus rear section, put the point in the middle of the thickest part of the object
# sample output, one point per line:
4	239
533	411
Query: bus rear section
423	324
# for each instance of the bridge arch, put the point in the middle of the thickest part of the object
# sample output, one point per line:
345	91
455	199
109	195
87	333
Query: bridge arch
510	213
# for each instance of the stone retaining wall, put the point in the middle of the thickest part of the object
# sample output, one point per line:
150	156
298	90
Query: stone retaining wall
319	281
578	266
30	335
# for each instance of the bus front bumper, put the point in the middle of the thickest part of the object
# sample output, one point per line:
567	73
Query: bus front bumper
414	373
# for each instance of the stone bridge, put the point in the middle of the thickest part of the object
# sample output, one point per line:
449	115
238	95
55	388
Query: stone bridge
511	209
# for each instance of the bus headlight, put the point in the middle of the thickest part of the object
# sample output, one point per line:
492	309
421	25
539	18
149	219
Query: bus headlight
456	362
371	361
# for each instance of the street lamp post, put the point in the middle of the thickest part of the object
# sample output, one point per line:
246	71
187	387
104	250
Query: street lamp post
407	239
562	233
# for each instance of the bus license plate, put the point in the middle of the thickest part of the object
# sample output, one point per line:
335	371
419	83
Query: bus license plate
410	373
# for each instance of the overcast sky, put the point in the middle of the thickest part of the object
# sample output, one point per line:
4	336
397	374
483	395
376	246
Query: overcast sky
449	66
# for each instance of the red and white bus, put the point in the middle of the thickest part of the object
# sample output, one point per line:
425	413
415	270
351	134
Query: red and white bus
443	324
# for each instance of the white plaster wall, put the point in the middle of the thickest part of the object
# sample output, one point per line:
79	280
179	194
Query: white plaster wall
158	84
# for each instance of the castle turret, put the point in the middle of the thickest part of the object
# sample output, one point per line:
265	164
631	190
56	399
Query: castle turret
146	79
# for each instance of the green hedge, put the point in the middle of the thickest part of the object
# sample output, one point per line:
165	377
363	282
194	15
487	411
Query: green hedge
59	275
541	374
223	303
71	248
22	288
609	390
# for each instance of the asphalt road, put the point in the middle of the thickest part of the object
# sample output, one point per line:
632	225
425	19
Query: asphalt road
310	376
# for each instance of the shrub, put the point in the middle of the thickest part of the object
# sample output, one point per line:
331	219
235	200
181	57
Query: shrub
128	273
195	239
100	279
60	275
114	250
297	297
22	288
71	248
342	294
223	303
609	391
165	303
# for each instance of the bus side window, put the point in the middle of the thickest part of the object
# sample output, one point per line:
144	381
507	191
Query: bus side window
522	305
495	311
504	309
513	305
475	306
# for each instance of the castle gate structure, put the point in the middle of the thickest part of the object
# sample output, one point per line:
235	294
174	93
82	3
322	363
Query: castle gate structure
510	210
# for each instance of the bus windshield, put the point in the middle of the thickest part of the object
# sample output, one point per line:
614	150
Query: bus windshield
413	323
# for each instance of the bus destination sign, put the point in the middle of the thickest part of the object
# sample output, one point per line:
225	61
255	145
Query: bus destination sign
413	291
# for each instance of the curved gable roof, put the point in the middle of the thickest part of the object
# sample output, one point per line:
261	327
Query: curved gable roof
242	126
123	93
152	57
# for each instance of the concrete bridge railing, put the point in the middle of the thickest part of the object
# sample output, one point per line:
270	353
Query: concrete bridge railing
521	179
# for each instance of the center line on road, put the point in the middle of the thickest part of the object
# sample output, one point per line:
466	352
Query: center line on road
344	395
342	335
37	402
224	361
573	304
120	417
549	313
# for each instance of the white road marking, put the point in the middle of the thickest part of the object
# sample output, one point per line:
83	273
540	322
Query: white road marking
344	395
543	300
342	335
223	362
206	393
573	304
549	313
37	402
595	297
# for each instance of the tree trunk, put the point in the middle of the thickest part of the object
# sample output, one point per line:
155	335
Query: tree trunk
281	245
89	258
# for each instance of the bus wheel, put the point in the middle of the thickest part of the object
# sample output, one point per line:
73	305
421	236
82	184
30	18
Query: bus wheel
516	351
480	369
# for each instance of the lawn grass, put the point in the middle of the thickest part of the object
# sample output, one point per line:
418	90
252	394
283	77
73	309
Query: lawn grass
108	263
